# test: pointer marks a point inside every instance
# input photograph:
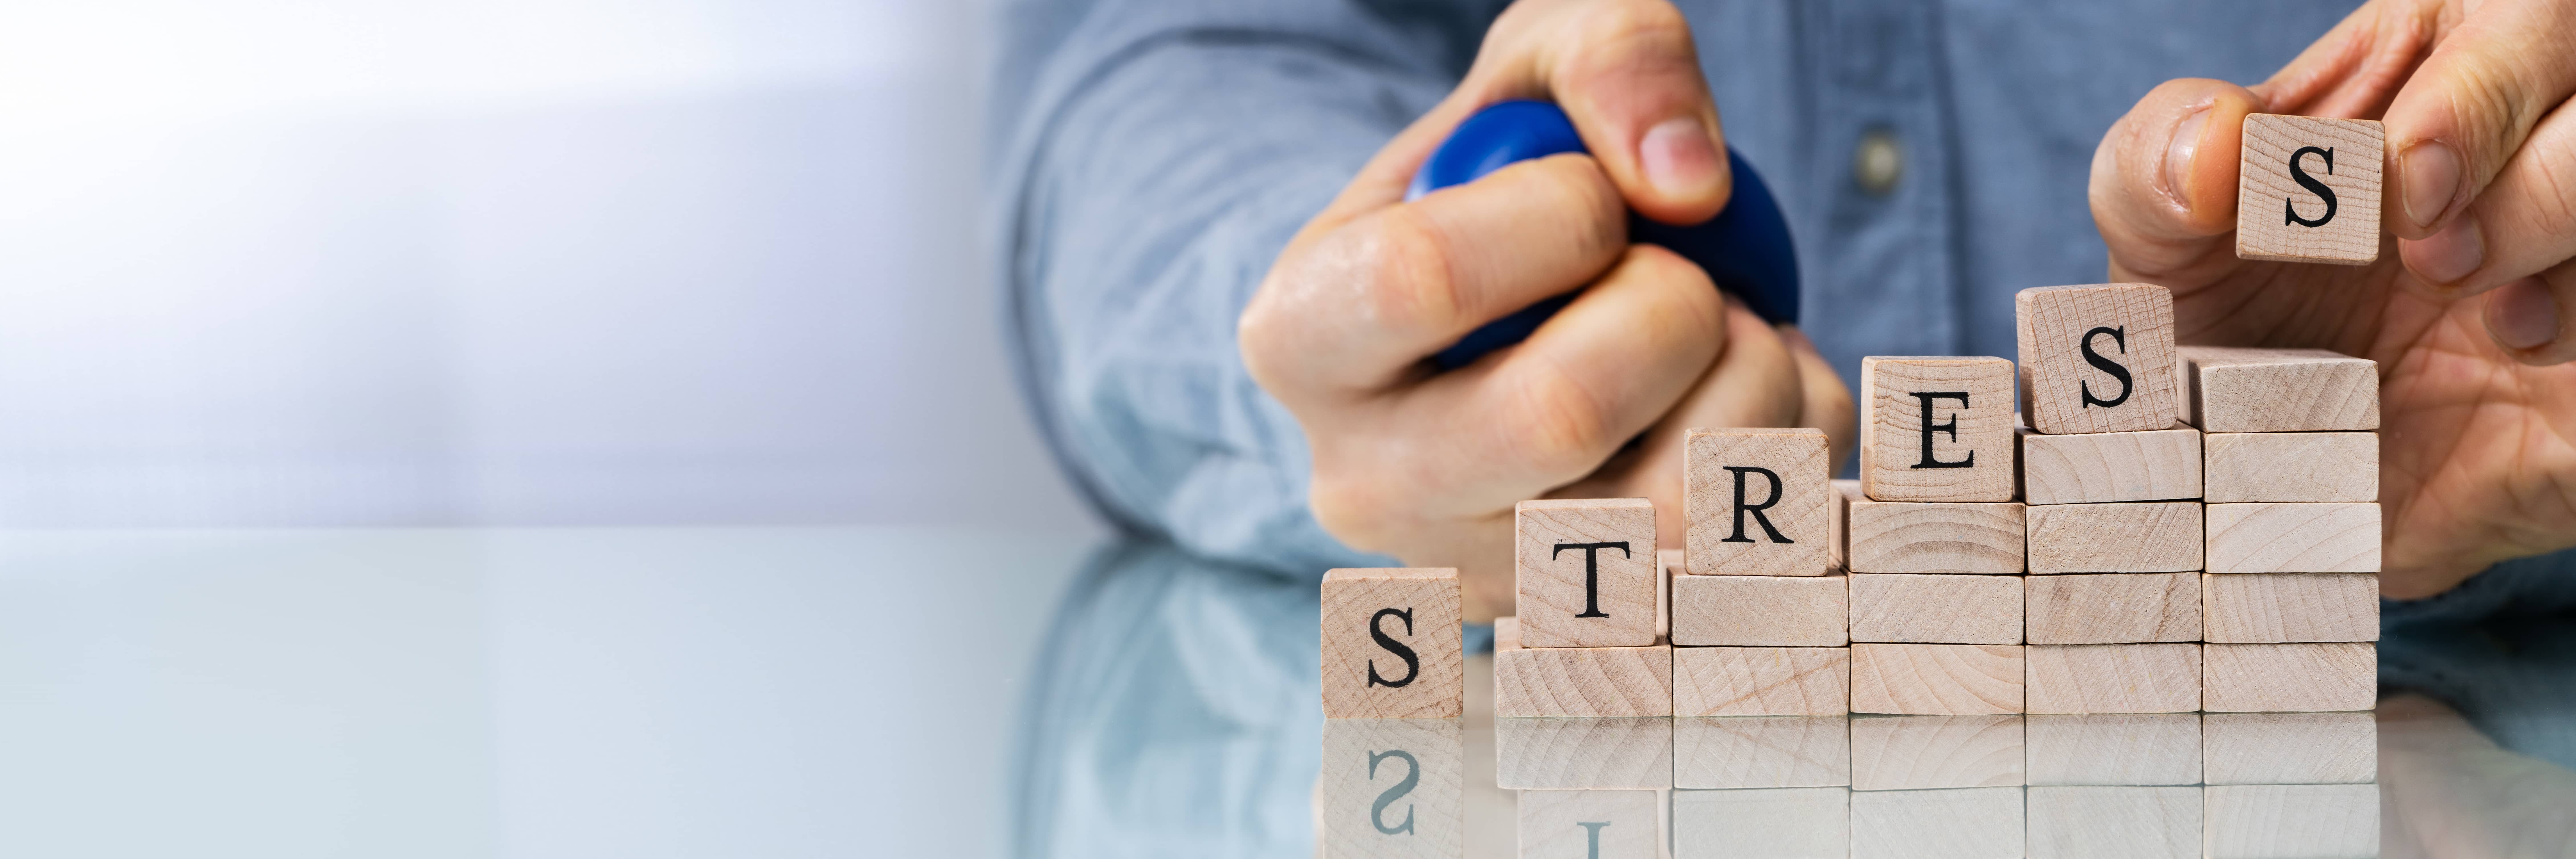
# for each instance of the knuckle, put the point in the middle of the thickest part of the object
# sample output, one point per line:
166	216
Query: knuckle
1347	509
1558	425
1639	24
1406	269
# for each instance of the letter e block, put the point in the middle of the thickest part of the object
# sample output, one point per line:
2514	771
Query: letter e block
1936	429
1391	647
1756	502
2097	358
1585	569
2307	190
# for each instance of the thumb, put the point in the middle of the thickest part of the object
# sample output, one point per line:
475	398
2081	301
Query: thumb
2164	180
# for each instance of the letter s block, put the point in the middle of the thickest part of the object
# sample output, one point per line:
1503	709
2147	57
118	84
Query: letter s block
1391	647
1755	501
2307	189
1936	429
2097	358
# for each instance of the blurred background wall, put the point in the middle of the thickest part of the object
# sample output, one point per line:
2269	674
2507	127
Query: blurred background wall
478	262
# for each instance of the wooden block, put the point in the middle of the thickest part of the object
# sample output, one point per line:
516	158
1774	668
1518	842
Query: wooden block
2288	678
1610	824
2096	358
1583	754
2113	748
1936	679
1761	611
1838	513
1926	752
1392	788
2113	608
2114	822
2136	537
1391	648
2098	468
1586	572
2307	190
1593	682
1668	563
2290	748
1780	823
1762	752
2114	678
2292	466
1936	429
2293	538
1936	609
1761	681
1755	502
2280	821
1959	538
2278	608
2228	389
1959	823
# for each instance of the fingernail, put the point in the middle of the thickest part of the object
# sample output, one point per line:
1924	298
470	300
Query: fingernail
2432	178
2523	315
1678	157
2446	256
2178	155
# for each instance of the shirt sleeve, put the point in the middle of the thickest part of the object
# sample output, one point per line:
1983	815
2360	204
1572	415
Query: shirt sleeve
1150	162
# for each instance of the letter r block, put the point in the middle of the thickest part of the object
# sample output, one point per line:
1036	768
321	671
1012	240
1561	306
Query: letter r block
1585	572
1936	429
1754	502
2097	358
2307	189
1391	647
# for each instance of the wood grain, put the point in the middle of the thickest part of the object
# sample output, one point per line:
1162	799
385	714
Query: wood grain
2292	466
1762	752
1903	608
2294	538
2094	822
1839	512
2290	748
2097	468
2275	821
2227	389
1555	608
2114	608
1926	752
1579	681
2113	748
1626	824
2288	678
2130	325
1936	679
2113	678
1774	823
1761	611
2278	608
1936	537
1761	681
2135	537
1583	754
1976	433
1415	607
2269	195
1958	823
1725	512
1365	759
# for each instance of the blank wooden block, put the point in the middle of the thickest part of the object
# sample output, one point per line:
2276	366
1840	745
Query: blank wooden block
1762	752
1925	752
1586	572
2293	538
1610	824
1391	648
1761	681
2114	822
2113	608
2292	466
2096	358
1936	609
1593	682
1936	429
2229	389
2288	678
1838	513
1777	823
1960	823
2290	748
1761	611
1583	754
2138	537
2307	190
2282	821
2277	608
2113	678
1936	537
2113	748
2098	468
1392	788
1936	679
1755	502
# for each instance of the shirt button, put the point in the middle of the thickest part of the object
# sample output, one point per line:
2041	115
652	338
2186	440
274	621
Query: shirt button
1878	162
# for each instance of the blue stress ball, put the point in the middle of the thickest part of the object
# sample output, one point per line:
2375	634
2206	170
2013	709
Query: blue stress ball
1745	249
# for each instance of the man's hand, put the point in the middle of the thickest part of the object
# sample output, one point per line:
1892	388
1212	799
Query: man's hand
1426	466
2466	318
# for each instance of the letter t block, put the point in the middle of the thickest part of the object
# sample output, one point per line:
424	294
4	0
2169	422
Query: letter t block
2097	358
1754	502
1585	570
1391	648
1936	429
